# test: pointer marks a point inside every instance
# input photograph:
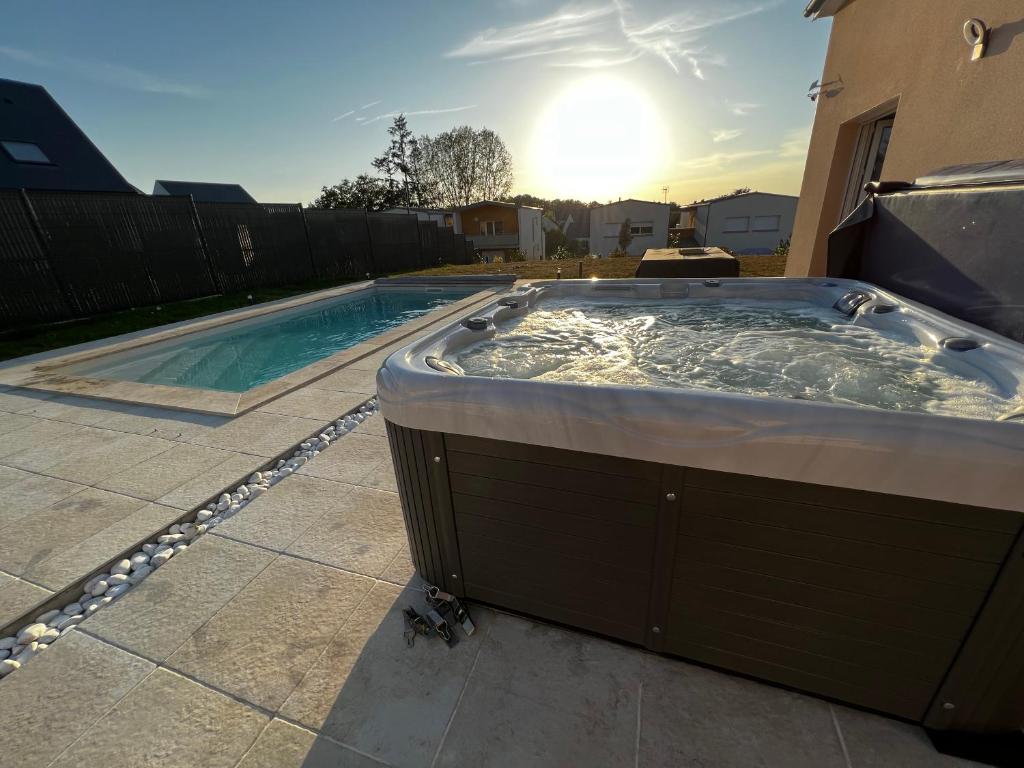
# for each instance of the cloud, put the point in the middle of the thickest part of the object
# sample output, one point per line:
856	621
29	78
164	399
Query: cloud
371	104
725	135
721	160
414	112
796	143
609	35
104	72
342	117
741	108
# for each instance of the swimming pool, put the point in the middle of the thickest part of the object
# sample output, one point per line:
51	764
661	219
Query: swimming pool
248	353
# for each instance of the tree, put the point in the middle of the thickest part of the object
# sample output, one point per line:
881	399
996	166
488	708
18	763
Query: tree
402	158
464	166
625	236
364	192
741	190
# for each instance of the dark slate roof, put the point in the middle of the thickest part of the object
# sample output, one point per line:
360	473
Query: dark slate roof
204	191
29	114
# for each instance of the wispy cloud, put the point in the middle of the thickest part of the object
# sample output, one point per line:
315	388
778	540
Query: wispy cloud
610	34
727	134
792	148
107	73
796	143
721	160
343	116
741	108
371	104
413	113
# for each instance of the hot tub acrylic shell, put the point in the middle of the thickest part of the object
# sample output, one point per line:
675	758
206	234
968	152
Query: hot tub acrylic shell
868	556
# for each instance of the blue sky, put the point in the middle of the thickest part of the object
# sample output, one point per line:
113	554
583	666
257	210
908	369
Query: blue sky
286	97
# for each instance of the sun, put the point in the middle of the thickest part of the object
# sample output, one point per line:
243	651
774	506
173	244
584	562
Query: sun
600	138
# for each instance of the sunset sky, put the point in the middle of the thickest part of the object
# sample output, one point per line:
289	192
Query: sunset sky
594	100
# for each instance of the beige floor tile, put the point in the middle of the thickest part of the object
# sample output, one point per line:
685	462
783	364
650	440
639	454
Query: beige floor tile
18	399
160	475
401	570
156	617
165	423
99	462
259	646
60	695
12	422
171	722
264	434
879	742
52	530
373	692
283	745
349	380
32	493
280	516
42	434
324	405
362	530
381	477
697	716
350	459
90	554
10	475
373	426
197	489
17	597
85	411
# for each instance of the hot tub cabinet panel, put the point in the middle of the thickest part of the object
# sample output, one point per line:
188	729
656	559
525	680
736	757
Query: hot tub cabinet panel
873	599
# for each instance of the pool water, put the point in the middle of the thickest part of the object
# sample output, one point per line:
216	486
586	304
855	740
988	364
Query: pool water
785	349
252	352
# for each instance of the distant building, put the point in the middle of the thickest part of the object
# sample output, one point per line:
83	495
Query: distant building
41	147
439	216
648	225
204	191
502	229
744	223
576	228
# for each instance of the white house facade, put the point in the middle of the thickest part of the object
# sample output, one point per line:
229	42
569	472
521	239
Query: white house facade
745	224
648	225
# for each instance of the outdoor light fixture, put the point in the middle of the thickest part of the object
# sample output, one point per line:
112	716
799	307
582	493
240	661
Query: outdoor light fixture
976	35
817	89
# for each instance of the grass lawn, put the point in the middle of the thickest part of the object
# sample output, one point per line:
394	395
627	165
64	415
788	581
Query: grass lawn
750	266
32	339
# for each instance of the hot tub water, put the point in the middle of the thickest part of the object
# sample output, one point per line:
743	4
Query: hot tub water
789	349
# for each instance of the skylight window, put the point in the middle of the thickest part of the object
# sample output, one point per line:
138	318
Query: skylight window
25	152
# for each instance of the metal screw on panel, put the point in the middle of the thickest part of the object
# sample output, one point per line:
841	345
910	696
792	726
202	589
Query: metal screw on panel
670	497
948	705
656	630
437	459
455	576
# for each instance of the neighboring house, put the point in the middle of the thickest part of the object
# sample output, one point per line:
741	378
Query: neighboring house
502	229
439	216
576	228
902	97
42	148
648	223
743	223
204	191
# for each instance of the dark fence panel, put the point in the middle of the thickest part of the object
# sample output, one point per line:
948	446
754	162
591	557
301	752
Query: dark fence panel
446	245
430	248
396	241
461	255
114	251
252	247
30	291
340	241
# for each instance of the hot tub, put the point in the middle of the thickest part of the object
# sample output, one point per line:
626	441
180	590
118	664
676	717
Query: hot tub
812	481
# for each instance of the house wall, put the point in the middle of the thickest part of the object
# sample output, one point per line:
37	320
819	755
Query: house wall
472	218
606	220
712	222
909	56
531	233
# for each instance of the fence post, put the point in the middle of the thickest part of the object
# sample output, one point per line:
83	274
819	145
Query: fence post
369	239
44	246
197	223
309	243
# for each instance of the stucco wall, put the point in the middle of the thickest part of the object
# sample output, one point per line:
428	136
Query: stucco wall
748	207
606	220
472	218
910	54
531	233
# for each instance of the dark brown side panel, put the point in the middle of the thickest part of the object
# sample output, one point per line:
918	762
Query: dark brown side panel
858	596
565	536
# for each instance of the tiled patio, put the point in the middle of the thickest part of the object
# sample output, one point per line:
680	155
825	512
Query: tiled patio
276	640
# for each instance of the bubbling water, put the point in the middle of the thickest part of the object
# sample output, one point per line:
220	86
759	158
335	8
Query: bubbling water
765	348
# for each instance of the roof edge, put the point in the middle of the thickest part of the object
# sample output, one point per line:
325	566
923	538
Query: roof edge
817	9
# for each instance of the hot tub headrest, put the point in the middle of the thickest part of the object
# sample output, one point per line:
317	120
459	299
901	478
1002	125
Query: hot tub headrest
953	240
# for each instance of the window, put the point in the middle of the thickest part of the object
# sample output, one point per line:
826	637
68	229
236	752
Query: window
766	224
641	229
868	160
736	224
491	228
25	152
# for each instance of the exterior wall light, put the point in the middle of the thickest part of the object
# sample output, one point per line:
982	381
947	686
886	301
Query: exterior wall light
976	35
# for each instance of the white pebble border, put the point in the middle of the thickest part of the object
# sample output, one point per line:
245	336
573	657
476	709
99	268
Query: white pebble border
103	588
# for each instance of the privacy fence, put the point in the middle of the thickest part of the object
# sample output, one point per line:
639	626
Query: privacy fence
73	254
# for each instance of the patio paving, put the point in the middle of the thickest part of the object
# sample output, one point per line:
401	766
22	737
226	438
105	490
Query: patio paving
277	640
